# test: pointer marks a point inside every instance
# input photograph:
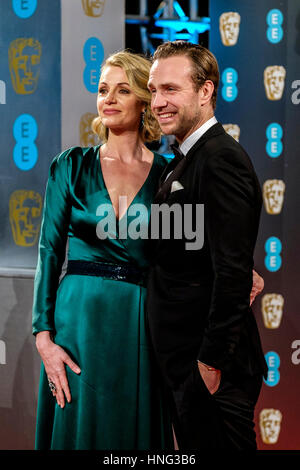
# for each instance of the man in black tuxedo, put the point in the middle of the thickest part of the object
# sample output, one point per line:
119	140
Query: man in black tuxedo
203	330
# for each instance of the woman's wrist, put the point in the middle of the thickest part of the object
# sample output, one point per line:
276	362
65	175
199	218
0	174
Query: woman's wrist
43	339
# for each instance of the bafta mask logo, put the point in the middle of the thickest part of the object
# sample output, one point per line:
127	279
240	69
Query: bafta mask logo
273	194
25	207
87	137
229	24
270	424
93	8
233	130
272	310
274	77
24	64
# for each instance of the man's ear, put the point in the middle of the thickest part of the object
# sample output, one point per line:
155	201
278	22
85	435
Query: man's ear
206	92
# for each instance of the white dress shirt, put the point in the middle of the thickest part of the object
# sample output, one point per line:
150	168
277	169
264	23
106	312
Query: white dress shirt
188	143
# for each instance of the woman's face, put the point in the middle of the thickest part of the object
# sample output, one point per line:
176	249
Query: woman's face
118	107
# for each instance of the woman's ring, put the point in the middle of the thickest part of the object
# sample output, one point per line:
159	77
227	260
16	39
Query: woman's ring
52	385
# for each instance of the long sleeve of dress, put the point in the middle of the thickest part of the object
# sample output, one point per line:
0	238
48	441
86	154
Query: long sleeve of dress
52	244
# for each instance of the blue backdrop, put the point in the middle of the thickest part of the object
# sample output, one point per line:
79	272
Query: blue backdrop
257	45
30	121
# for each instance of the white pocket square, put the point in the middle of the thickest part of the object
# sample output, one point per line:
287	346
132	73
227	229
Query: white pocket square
176	186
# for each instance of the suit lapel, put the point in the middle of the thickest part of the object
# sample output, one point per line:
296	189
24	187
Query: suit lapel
165	187
168	168
177	167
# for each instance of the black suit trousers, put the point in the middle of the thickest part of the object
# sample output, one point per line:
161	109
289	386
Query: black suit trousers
223	420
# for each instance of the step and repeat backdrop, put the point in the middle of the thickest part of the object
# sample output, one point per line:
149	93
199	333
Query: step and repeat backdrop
257	45
50	57
51	54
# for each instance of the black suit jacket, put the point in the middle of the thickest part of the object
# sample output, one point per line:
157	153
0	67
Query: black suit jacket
198	300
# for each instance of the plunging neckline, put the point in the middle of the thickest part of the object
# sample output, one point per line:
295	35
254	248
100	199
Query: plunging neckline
136	195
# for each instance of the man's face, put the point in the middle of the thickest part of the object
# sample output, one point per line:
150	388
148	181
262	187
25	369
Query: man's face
175	103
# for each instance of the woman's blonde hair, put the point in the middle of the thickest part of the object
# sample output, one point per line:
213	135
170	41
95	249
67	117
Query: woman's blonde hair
137	68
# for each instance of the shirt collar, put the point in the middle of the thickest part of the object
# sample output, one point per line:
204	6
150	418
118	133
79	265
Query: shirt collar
188	143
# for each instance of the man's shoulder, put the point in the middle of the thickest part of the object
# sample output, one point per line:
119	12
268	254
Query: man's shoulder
222	140
224	145
222	151
214	140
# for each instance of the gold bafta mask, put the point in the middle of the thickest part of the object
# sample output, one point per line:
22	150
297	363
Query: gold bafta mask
24	64
25	207
272	310
274	77
233	130
270	424
93	7
87	137
229	24
273	194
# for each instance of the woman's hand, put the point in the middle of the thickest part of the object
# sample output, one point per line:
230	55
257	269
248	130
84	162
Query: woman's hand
211	377
257	286
54	358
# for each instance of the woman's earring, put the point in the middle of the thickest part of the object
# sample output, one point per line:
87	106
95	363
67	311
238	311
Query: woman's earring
142	118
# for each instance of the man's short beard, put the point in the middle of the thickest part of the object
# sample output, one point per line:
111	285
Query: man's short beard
187	125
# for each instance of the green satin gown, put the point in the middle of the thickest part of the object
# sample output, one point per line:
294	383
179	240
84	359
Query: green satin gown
117	402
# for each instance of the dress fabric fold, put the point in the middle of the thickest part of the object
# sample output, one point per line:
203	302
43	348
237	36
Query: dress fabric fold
117	399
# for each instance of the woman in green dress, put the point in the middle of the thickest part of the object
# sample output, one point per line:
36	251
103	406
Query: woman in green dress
99	387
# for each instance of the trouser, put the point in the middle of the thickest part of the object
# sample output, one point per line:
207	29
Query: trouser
223	420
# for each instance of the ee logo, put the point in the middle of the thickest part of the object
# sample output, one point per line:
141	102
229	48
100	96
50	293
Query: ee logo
93	54
229	80
274	135
273	249
24	8
273	362
25	132
274	21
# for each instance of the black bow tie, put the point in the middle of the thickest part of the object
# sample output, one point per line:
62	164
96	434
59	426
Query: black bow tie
178	155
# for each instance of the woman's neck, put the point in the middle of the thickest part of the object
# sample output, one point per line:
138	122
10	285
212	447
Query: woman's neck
124	147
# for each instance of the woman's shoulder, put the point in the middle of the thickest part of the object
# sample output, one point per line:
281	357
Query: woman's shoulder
74	153
71	156
163	160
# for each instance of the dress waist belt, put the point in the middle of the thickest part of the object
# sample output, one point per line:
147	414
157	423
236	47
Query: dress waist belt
125	272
